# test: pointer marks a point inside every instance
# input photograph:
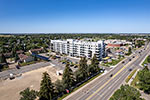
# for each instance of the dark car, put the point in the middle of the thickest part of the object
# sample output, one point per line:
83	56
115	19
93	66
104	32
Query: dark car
75	66
130	69
111	75
133	56
123	62
129	59
63	62
18	67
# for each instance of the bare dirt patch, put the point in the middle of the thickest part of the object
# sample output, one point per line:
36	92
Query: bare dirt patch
10	89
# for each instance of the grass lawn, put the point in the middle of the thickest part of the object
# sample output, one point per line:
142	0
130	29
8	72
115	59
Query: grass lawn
65	95
5	67
130	76
29	63
135	81
145	61
113	63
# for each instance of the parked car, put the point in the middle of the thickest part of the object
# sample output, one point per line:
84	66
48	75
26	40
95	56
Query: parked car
17	66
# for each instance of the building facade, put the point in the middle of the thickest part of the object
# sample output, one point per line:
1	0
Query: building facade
77	48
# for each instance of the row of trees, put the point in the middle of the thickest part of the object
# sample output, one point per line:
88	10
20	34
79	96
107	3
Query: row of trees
126	93
3	62
144	80
2	58
70	80
23	42
33	41
139	43
129	51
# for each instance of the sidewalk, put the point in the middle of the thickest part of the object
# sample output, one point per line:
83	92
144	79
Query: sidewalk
145	96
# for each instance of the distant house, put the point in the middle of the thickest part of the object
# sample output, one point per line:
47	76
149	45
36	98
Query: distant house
119	52
114	45
19	52
10	53
25	58
36	50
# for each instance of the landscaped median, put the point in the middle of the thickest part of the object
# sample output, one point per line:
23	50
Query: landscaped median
135	81
130	76
79	86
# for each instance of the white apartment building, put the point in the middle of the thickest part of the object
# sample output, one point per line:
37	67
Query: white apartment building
77	48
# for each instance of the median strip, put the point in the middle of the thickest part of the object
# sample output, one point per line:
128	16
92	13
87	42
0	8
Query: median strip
130	76
108	81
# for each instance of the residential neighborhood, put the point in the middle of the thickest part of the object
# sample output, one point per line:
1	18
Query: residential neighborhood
59	53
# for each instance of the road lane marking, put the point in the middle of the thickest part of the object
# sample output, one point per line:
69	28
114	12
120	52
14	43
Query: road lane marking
113	89
113	84
108	81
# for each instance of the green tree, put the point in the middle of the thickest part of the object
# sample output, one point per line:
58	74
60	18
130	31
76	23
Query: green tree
28	94
46	88
16	57
35	58
129	51
59	87
2	58
148	59
144	79
68	78
126	93
82	72
13	53
94	64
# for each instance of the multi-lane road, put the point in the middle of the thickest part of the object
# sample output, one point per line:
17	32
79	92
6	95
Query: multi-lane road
104	86
57	64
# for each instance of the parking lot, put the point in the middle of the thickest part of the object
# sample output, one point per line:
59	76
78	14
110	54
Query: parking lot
60	62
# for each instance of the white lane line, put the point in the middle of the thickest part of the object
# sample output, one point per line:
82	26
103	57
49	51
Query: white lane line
114	88
114	83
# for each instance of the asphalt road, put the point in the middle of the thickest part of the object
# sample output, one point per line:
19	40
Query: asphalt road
5	74
104	86
56	63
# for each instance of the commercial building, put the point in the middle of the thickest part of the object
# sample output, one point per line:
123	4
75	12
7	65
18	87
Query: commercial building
77	48
116	43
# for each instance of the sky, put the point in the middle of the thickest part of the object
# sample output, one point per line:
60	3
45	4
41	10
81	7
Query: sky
74	16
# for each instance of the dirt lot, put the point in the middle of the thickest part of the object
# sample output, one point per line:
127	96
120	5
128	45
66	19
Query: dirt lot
10	89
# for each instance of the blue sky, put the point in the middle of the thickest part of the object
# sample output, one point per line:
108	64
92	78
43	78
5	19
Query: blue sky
74	16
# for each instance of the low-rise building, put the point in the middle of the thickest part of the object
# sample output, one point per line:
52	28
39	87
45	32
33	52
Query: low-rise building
116	43
39	50
25	58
